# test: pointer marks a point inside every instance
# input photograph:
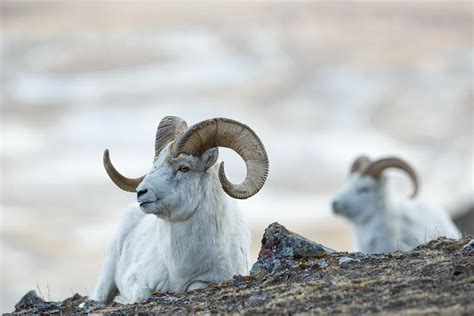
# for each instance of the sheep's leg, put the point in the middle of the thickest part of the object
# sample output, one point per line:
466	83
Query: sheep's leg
106	288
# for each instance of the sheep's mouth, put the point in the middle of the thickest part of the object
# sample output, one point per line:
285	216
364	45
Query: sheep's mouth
145	203
148	207
154	207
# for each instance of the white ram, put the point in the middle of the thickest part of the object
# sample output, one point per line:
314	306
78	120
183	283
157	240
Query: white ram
381	224
183	232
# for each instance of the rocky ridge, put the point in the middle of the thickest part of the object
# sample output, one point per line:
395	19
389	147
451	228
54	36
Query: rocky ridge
293	274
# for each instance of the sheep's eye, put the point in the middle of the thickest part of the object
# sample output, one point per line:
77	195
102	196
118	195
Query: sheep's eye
184	169
363	190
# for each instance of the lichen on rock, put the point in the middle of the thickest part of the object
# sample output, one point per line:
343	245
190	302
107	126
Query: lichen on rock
280	245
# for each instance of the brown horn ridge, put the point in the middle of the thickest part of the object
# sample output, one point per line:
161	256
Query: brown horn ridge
222	132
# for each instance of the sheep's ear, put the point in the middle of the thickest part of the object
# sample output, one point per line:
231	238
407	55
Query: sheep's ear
209	157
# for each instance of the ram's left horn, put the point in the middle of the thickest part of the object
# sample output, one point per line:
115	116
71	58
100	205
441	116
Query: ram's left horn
376	168
222	132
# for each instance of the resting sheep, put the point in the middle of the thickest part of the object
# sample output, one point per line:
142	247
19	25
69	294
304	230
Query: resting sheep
381	224
183	232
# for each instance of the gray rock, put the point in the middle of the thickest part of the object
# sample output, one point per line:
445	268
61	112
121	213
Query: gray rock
76	299
34	304
469	247
256	270
257	298
346	261
90	305
279	244
323	263
31	300
330	281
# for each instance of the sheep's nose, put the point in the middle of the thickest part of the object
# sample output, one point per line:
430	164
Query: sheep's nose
141	192
335	206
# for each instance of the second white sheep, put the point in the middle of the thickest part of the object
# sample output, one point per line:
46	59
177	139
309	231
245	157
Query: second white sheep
380	223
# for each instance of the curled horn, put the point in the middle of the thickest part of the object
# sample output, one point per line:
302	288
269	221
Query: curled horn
222	132
168	130
376	168
360	164
124	183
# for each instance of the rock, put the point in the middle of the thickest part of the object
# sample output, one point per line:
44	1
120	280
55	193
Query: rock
90	305
469	248
241	281
29	300
257	298
280	244
323	263
256	270
330	281
74	300
346	261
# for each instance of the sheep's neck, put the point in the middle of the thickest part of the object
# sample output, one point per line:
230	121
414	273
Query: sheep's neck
199	236
379	209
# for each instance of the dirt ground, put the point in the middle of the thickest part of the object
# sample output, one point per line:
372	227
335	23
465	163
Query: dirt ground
435	278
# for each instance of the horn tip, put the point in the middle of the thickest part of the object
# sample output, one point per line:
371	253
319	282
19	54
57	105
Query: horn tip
106	155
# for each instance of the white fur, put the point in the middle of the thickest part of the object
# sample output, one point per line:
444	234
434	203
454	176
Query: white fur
381	224
187	233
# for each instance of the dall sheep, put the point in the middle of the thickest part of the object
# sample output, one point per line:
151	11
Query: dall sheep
381	224
183	232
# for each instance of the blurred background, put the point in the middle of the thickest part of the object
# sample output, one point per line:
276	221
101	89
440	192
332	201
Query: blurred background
320	83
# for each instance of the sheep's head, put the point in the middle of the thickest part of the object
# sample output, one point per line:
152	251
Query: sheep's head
364	193
183	156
